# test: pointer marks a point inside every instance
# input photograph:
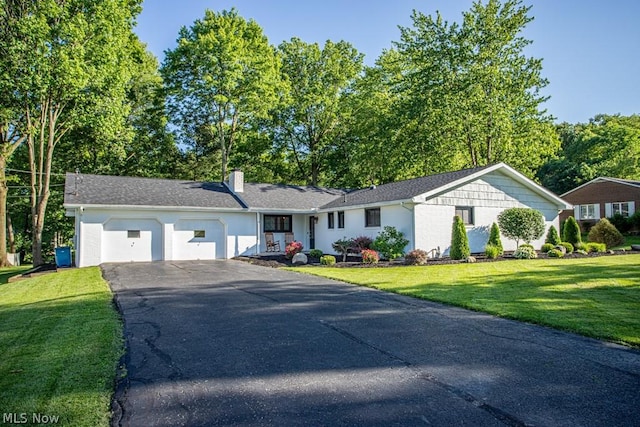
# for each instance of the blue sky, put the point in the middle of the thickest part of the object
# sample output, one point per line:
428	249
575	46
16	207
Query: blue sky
590	48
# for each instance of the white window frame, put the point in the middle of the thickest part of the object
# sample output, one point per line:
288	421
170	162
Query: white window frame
619	207
584	214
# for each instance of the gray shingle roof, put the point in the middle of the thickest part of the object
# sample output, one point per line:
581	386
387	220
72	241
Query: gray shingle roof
400	190
287	197
130	191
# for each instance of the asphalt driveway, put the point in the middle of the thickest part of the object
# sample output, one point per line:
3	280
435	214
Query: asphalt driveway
228	343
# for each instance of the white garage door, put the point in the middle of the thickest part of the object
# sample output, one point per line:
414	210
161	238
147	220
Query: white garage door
198	239
125	240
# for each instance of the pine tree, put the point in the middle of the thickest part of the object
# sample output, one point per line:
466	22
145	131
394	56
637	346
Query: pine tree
552	236
571	231
494	237
459	240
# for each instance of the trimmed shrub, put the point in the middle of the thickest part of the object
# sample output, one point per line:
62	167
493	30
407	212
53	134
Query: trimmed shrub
571	231
327	260
552	236
292	249
521	224
595	247
554	253
362	242
315	253
369	256
459	240
342	247
525	252
579	245
416	257
390	243
623	224
568	246
605	232
492	251
494	238
547	247
526	245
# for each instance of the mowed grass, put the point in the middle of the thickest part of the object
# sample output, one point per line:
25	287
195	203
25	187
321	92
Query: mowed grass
61	340
597	297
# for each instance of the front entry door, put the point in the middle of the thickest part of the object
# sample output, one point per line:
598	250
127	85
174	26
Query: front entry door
312	232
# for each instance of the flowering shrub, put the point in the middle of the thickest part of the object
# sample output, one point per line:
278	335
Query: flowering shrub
370	256
292	249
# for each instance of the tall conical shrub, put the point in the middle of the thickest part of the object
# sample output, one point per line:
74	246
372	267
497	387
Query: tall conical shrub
494	238
459	240
552	236
571	231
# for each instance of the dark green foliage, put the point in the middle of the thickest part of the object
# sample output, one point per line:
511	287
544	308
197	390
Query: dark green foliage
342	247
494	238
635	219
547	247
315	253
521	224
571	231
416	257
568	246
492	251
552	236
621	223
459	240
390	243
605	232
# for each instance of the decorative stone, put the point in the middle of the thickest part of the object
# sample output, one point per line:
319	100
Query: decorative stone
561	249
470	259
299	259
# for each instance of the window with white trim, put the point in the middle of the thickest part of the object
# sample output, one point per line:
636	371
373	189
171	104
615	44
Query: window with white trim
340	219
331	220
372	217
587	211
465	213
621	208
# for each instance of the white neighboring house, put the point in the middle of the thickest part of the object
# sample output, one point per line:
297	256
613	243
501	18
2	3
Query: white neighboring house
123	219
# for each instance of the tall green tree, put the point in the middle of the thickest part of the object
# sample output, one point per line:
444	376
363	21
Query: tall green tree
71	55
309	124
474	89
221	78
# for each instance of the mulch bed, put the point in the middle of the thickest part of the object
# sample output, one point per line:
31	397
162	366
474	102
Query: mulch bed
277	261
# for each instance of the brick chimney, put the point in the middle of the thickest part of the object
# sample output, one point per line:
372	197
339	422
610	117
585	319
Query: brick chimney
236	181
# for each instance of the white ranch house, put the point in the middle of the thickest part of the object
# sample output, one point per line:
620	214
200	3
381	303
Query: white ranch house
124	219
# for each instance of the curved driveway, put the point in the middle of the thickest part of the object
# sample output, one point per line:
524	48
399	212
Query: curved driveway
229	343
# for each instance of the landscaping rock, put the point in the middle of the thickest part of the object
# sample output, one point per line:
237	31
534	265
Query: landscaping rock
299	259
561	249
470	259
635	247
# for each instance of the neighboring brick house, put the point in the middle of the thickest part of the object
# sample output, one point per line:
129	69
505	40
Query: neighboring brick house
602	198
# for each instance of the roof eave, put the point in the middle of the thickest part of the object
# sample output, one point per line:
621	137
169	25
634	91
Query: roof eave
151	207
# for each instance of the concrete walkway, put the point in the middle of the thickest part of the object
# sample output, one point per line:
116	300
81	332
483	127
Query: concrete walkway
228	343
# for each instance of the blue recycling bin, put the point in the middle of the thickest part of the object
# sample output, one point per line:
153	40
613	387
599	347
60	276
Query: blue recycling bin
63	256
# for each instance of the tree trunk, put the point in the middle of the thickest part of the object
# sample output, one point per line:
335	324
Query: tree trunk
11	235
4	261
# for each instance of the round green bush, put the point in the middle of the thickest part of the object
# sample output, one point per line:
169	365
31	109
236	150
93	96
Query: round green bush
605	232
547	247
555	253
492	251
315	253
595	247
525	252
568	246
327	260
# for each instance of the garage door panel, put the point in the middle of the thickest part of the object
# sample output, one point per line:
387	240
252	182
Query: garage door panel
126	240
198	239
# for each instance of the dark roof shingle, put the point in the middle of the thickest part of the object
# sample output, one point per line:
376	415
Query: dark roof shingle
287	197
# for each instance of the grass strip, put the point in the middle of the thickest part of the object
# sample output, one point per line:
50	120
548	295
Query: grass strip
597	297
61	339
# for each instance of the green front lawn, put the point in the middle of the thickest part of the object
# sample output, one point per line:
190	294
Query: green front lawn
61	340
597	297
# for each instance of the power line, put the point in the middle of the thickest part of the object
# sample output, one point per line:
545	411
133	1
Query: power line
24	171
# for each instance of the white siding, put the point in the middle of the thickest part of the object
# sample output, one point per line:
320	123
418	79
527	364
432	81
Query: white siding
239	229
398	216
488	196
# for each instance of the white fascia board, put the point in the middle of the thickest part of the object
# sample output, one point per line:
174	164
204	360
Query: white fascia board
368	205
601	178
517	176
269	211
154	208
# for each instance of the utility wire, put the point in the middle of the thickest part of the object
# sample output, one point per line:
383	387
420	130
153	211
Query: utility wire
24	171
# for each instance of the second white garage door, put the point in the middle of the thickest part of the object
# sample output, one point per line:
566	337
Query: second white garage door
131	239
198	239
